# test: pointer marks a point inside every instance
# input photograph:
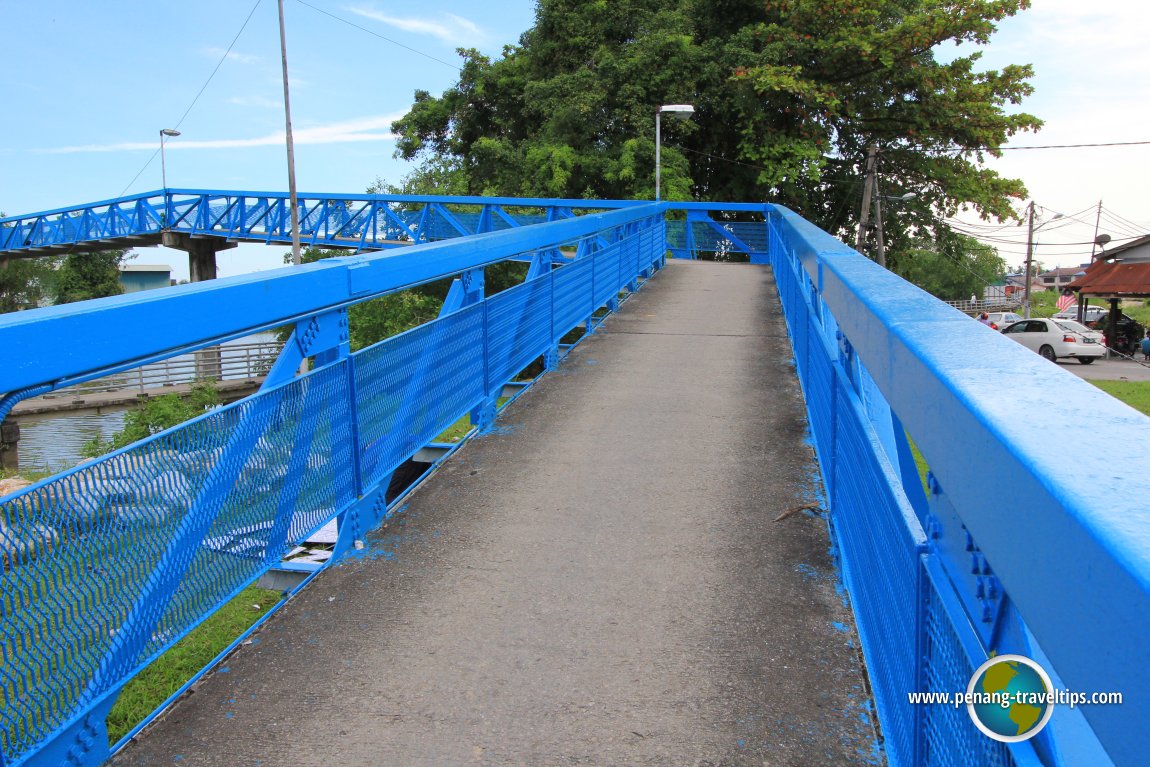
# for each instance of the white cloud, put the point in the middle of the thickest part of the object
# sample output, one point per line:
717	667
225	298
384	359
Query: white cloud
376	128
236	56
452	29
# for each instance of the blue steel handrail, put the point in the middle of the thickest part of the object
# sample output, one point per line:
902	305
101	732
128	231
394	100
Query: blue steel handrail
183	520
357	222
1047	530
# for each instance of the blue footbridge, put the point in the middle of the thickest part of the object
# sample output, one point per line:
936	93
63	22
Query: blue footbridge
771	506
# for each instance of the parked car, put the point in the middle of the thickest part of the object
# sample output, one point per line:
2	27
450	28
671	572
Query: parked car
1130	331
1054	339
1089	314
999	320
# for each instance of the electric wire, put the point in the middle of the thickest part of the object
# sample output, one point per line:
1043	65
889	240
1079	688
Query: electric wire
381	37
204	87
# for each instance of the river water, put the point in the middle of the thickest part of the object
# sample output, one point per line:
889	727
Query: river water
54	441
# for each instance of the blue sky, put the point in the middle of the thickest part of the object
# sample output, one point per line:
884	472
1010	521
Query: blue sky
89	84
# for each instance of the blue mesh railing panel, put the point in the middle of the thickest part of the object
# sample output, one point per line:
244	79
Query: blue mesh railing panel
102	531
518	327
607	282
925	618
950	738
573	295
880	553
819	393
109	564
411	387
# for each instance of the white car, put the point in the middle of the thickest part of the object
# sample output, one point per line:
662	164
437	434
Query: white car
1054	339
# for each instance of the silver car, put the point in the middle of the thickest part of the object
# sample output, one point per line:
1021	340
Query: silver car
1055	339
999	320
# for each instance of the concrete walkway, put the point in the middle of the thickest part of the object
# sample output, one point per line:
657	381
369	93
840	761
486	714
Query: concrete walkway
600	582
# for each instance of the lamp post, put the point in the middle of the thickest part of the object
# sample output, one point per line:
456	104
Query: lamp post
679	111
292	198
171	133
1031	230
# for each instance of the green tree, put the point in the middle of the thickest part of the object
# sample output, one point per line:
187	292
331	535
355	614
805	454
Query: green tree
951	267
788	94
157	414
26	282
89	275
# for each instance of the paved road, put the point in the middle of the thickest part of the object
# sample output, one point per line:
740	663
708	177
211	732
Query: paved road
1109	370
600	582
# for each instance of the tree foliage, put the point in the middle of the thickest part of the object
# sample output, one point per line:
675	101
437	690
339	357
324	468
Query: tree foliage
157	414
788	96
88	275
26	282
952	267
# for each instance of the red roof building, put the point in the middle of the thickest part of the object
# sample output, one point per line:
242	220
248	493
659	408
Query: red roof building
1122	272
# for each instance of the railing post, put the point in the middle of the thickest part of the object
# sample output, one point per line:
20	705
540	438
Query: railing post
551	356
483	417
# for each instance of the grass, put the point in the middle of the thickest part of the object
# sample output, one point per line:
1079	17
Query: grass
458	430
920	463
1136	394
28	474
173	669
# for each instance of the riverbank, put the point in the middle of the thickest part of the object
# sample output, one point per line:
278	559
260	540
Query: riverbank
60	401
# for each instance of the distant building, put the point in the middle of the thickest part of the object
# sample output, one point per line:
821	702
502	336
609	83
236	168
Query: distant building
1057	279
1016	285
137	277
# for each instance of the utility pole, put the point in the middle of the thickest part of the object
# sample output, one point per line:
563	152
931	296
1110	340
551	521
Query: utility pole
1029	255
880	253
868	191
293	201
1097	221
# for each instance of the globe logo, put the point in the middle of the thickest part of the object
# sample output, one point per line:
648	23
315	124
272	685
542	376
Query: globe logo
1010	698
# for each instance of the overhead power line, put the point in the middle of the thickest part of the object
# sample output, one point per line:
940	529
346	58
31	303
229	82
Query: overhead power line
197	96
381	37
1070	146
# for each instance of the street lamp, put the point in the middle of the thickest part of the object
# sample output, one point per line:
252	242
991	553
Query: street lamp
679	111
1031	230
170	132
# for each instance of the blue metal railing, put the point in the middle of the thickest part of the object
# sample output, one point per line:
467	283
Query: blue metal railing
110	563
1031	538
1017	546
356	222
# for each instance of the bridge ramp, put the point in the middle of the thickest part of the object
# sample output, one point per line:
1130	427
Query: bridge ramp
599	582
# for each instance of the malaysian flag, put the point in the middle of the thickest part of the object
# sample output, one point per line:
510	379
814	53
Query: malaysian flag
1065	301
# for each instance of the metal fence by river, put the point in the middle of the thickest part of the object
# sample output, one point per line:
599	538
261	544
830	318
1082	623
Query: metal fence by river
54	441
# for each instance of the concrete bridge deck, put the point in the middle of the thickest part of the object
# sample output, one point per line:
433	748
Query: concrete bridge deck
601	581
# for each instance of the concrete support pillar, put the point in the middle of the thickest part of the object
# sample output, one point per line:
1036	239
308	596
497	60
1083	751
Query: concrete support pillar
201	262
9	445
201	252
